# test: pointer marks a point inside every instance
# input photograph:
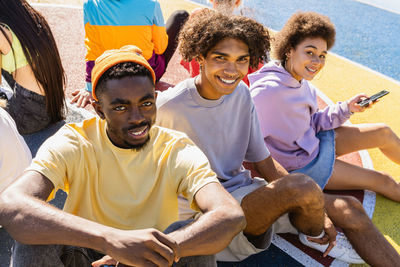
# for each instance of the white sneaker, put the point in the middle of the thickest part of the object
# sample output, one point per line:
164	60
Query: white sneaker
343	250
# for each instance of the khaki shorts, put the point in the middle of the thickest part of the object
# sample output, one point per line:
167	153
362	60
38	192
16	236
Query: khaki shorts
240	247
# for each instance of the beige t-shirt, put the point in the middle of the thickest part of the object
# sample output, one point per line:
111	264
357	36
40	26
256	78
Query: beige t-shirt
123	188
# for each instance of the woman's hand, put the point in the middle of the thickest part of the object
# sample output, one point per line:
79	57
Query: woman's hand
354	107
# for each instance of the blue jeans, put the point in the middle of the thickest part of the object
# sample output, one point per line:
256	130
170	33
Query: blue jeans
62	255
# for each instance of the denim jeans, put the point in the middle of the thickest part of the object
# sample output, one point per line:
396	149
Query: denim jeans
61	255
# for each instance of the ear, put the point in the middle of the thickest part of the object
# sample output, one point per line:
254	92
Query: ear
99	110
237	3
289	53
200	59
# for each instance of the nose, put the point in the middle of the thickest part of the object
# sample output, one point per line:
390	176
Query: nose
135	116
230	69
316	59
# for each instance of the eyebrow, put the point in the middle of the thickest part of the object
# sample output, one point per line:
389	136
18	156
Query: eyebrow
119	101
311	46
147	97
126	102
227	55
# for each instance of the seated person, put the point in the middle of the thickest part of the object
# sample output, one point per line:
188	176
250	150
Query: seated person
216	111
303	138
15	155
123	176
31	65
112	24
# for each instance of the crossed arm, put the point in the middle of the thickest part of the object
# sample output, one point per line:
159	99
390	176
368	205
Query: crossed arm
30	220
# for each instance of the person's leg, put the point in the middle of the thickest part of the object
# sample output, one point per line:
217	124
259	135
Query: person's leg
364	136
201	260
295	194
348	214
347	176
52	256
36	255
174	25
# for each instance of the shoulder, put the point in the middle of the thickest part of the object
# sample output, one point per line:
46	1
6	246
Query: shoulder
168	134
170	140
73	136
241	95
176	94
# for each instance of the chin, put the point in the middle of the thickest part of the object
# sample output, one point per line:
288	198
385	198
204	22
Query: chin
138	147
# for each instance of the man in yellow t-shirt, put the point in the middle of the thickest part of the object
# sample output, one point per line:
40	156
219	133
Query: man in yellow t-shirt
123	176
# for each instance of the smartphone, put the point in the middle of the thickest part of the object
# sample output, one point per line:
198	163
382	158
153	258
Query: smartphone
373	98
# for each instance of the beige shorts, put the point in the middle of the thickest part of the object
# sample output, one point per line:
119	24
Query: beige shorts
240	247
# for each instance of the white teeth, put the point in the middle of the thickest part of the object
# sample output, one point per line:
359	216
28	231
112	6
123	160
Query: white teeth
312	70
227	81
139	133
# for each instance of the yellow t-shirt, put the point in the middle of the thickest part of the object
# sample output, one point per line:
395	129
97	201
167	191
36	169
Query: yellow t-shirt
123	188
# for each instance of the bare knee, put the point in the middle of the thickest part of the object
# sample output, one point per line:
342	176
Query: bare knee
303	190
349	214
386	134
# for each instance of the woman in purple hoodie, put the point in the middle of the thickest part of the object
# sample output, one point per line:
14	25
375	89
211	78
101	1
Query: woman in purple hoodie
303	138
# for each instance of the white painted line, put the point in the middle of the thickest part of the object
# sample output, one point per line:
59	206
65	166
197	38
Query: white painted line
294	252
388	5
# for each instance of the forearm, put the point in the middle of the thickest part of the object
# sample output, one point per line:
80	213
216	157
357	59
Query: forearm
331	117
270	169
210	233
32	221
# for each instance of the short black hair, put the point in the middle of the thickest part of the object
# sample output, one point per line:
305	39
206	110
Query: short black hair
120	71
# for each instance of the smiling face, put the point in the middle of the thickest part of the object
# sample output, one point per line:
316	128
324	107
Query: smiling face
223	68
128	106
307	58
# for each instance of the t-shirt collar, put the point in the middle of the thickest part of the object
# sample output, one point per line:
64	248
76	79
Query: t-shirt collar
201	100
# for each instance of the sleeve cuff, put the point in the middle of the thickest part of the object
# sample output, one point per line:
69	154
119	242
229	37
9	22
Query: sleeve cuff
345	109
88	87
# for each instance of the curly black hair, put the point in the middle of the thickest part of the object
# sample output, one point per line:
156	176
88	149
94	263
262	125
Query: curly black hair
207	28
120	71
300	26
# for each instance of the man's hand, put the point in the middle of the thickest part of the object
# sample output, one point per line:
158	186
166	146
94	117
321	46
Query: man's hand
148	247
330	236
81	97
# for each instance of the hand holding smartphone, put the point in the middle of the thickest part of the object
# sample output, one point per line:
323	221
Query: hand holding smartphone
373	98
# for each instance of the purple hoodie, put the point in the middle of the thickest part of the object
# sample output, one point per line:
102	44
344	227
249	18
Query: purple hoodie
289	115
